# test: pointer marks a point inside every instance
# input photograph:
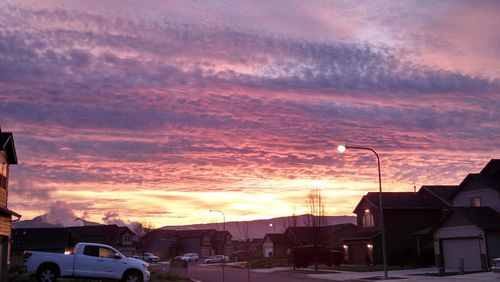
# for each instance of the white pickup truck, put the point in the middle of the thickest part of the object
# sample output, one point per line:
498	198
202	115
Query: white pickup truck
86	260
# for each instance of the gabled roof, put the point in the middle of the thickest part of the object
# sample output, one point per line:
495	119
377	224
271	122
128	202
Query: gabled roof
8	212
488	177
398	200
480	180
277	238
221	235
492	167
441	192
362	235
7	144
305	233
40	238
483	217
195	233
62	237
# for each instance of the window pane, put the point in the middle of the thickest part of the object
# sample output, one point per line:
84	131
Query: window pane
106	253
91	251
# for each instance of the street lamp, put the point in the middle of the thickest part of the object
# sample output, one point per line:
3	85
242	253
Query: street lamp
273	227
223	218
224	242
342	149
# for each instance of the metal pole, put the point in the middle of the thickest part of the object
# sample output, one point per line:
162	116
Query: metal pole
224	241
381	210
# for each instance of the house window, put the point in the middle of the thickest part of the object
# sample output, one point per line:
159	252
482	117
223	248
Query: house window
127	238
475	202
368	219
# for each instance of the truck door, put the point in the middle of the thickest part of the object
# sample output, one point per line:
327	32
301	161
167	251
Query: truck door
85	264
107	265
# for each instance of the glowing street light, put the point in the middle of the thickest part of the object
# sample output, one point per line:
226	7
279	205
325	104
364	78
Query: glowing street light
342	149
224	227
223	218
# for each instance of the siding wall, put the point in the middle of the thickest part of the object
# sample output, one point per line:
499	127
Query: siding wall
5	226
489	198
3	197
458	232
3	191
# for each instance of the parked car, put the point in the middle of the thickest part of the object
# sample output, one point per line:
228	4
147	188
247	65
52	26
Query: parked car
86	260
217	259
305	255
148	257
188	257
495	265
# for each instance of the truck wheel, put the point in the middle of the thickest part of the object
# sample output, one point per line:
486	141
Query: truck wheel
47	274
132	276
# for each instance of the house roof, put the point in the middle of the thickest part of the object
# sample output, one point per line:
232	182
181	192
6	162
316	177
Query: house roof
62	237
7	144
362	235
483	217
8	212
305	233
40	238
492	167
195	233
442	192
398	200
480	180
277	238
488	177
221	235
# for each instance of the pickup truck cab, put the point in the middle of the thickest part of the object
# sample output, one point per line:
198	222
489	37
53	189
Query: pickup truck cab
86	260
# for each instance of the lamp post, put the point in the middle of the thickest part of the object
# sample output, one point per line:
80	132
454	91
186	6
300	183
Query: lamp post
223	218
224	242
342	149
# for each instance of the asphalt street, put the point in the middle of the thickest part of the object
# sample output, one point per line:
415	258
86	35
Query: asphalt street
213	273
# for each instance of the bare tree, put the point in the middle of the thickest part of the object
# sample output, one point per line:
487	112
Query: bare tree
316	220
140	229
244	232
290	221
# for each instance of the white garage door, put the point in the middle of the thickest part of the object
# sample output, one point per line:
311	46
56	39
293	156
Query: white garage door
466	248
267	248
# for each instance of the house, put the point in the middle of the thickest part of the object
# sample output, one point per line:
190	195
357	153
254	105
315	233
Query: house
275	245
222	243
404	214
471	229
59	238
162	243
330	236
7	157
196	241
170	243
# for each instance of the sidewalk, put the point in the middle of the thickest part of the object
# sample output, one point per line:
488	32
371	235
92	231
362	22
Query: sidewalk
407	275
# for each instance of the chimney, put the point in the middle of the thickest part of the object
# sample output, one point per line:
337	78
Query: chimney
414	188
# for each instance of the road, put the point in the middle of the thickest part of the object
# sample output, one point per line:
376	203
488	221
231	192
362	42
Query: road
213	273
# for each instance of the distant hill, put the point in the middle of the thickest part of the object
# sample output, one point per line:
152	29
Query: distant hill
258	228
41	222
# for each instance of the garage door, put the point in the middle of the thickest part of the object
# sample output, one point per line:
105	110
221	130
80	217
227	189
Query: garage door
358	254
453	249
267	248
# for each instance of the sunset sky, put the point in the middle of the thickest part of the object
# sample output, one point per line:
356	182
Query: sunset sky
158	111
